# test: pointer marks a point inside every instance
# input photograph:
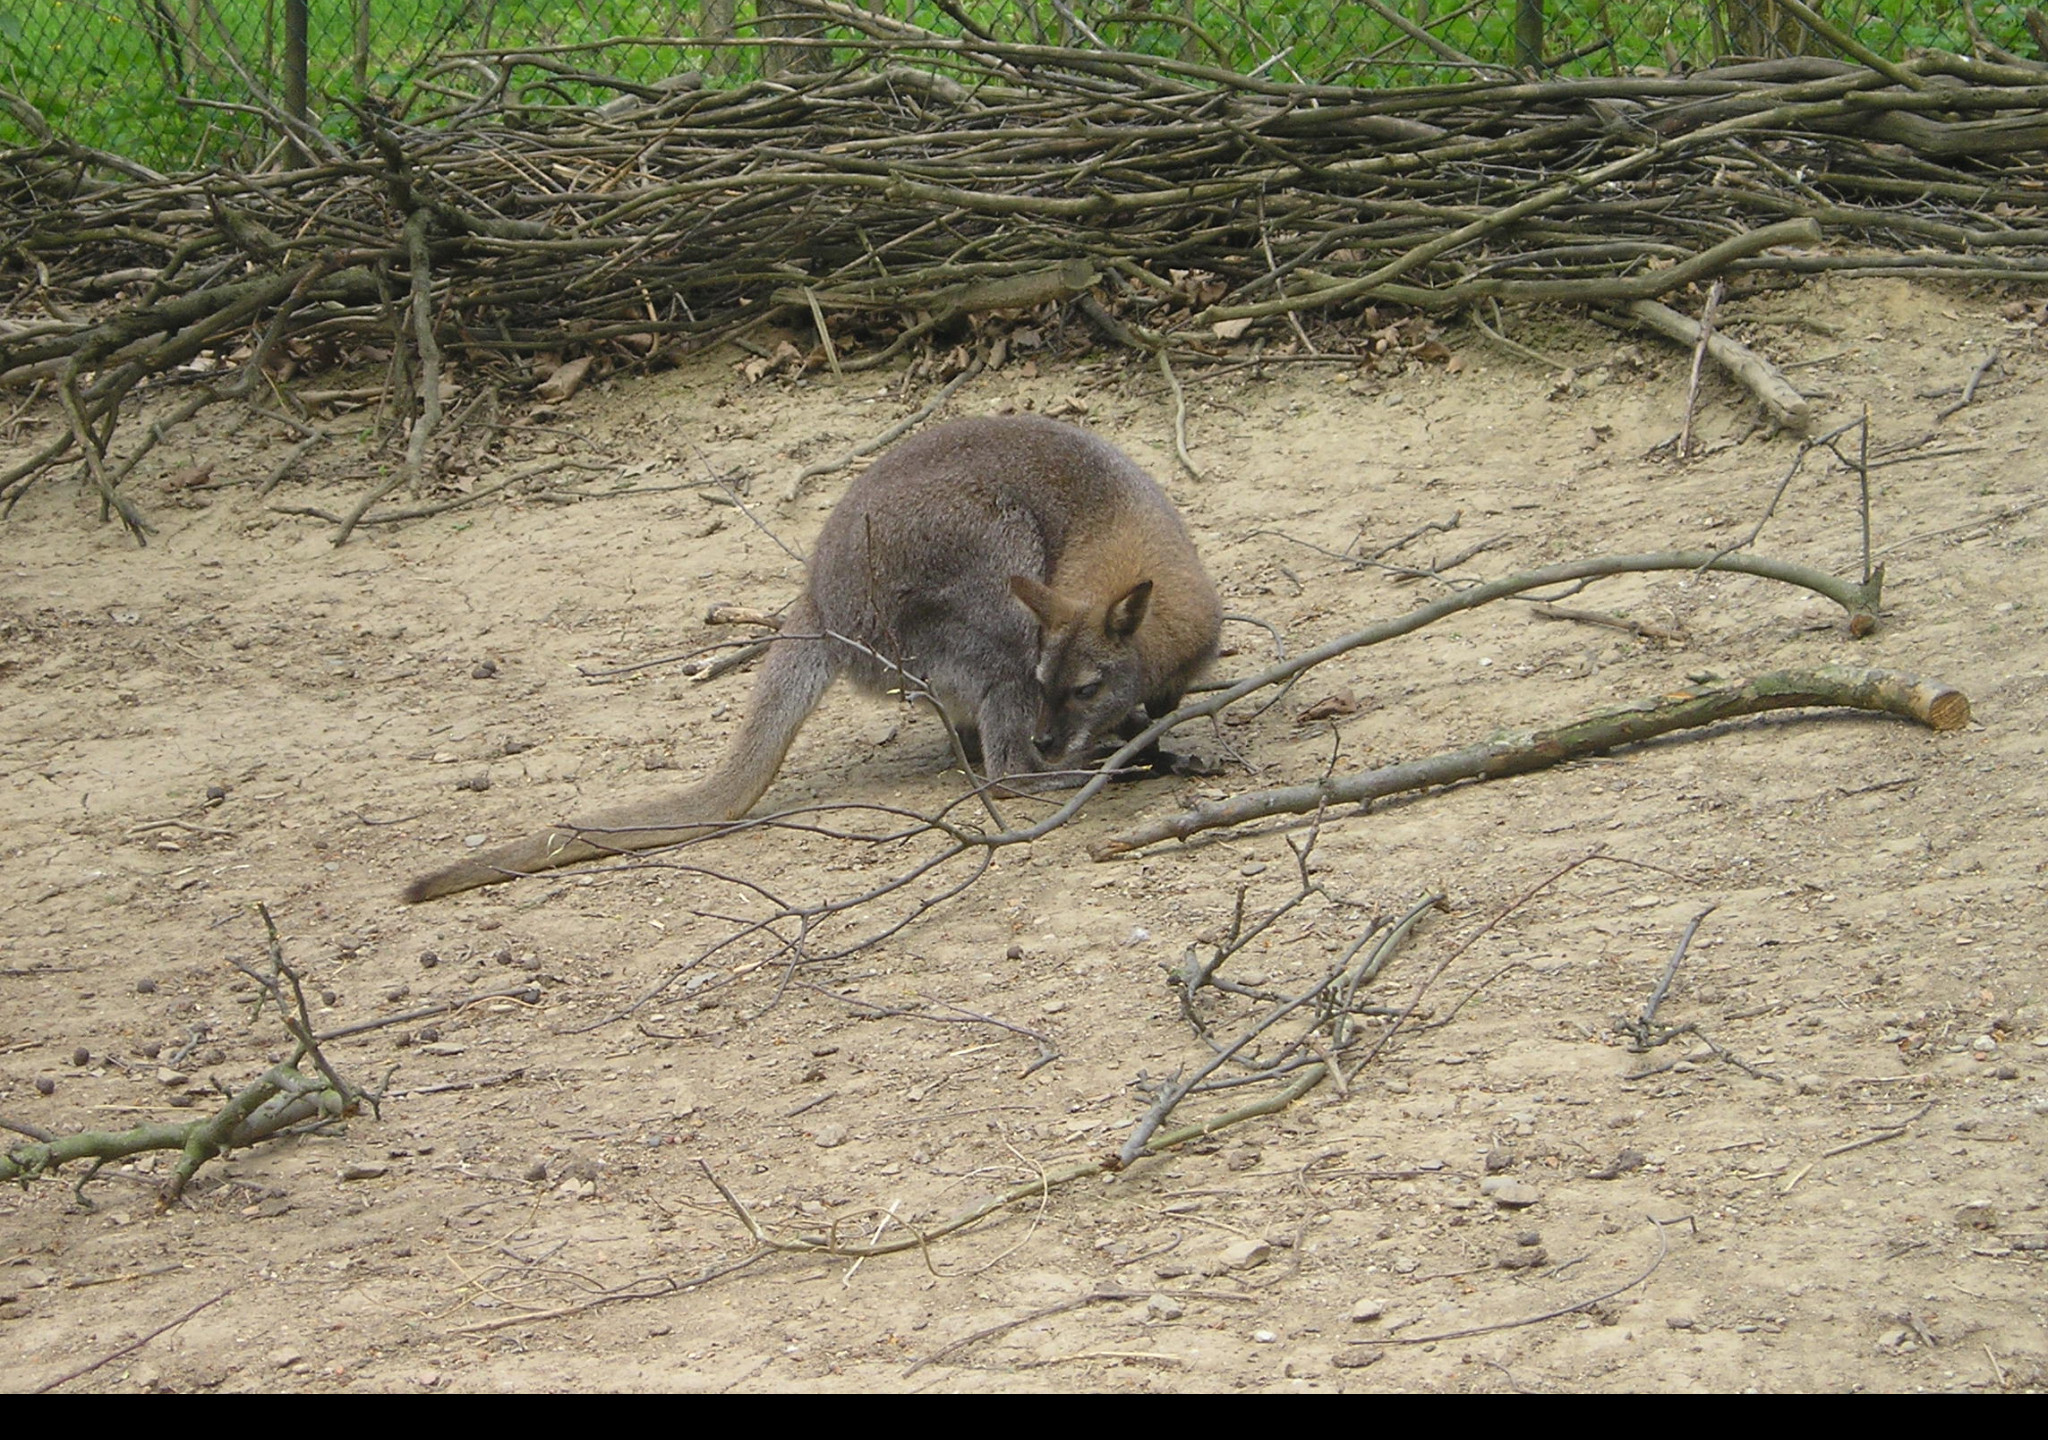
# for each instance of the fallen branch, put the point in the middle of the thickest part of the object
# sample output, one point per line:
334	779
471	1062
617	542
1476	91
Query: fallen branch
1764	380
1883	691
283	1099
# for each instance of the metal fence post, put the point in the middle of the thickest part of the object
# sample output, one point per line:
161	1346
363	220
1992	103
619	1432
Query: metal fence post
295	71
360	60
1529	33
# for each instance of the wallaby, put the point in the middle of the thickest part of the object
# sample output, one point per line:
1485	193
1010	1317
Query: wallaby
1029	575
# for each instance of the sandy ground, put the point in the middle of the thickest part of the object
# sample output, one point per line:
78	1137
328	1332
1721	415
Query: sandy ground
1835	1181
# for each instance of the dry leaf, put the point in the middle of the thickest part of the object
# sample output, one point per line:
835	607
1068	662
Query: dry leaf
565	381
1329	707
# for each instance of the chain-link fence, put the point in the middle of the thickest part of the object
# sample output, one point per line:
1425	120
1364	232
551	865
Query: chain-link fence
178	83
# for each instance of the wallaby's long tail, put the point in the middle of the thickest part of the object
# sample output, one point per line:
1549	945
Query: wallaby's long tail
799	671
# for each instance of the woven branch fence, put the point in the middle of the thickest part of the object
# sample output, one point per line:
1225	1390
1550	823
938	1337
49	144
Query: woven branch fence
1192	212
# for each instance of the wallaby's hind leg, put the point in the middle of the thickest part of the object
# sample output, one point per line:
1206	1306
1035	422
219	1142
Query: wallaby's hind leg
970	742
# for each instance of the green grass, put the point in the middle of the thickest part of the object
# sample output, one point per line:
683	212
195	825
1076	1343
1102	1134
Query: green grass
135	76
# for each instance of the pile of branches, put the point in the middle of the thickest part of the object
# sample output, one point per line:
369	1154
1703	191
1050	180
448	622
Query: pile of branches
925	178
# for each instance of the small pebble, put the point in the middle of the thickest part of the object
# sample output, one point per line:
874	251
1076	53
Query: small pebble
1015	952
1368	1309
1246	1254
479	783
1163	1307
1977	1215
484	670
145	987
1264	1337
537	1172
830	1136
216	793
1510	1194
1358	1357
153	1049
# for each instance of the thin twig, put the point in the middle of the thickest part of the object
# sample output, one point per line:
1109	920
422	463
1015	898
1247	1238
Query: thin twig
131	1347
900	428
1984	367
1642	1033
1705	323
1576	1307
1180	414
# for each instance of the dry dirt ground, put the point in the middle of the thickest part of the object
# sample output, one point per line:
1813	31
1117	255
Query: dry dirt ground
1844	1161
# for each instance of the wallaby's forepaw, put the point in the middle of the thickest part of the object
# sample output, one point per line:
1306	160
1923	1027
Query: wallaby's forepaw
1042	782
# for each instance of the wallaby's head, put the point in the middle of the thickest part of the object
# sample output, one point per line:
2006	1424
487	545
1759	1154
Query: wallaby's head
1090	675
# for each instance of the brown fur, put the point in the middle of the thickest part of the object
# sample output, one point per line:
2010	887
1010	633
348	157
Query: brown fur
1025	574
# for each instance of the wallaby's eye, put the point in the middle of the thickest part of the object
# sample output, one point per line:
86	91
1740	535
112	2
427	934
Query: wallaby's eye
1088	691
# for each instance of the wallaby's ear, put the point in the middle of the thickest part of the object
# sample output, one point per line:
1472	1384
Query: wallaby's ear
1054	610
1128	613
